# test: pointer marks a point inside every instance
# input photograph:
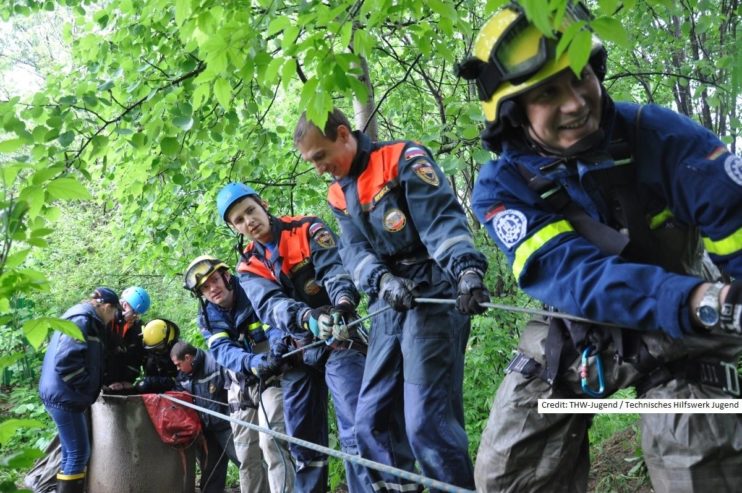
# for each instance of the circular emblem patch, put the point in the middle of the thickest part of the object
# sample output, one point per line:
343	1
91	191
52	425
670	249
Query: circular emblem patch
733	167
394	220
510	226
311	287
426	173
212	388
324	238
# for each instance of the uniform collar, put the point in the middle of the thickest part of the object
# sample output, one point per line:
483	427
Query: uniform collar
360	160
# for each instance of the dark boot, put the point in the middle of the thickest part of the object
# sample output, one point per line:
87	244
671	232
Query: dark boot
71	483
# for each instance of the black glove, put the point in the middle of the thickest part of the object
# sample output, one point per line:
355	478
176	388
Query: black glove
397	291
731	309
264	366
471	293
346	311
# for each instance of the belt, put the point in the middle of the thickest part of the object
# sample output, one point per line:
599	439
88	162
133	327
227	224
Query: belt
719	374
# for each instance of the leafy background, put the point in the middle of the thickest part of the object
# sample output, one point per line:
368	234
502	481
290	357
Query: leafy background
122	119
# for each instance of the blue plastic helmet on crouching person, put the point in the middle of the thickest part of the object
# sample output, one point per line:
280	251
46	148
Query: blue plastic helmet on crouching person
137	298
230	194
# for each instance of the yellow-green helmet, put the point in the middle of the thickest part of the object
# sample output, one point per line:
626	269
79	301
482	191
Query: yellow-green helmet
199	270
511	56
159	334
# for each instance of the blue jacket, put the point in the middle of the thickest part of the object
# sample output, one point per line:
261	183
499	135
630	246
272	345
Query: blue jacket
397	204
207	380
72	371
231	333
304	271
686	178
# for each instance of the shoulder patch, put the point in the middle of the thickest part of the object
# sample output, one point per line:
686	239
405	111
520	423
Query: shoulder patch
424	170
510	226
414	152
321	235
733	167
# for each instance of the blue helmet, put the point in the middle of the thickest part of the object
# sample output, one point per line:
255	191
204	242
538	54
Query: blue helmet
137	298
230	194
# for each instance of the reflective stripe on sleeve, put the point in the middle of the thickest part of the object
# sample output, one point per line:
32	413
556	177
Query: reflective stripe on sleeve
256	326
357	271
72	375
214	337
724	246
660	218
536	241
451	242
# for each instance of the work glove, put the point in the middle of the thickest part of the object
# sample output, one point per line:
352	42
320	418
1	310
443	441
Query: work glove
730	317
342	314
320	322
471	292
397	291
264	367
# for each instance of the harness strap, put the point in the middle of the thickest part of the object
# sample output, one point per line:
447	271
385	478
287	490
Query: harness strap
718	374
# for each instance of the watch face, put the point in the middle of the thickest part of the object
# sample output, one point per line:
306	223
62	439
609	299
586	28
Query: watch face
708	316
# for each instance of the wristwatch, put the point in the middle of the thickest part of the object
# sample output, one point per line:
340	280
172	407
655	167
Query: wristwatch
708	310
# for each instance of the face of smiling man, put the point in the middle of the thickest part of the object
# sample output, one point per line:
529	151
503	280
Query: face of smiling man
329	156
563	110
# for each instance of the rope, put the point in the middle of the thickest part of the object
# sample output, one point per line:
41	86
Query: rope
518	309
423	480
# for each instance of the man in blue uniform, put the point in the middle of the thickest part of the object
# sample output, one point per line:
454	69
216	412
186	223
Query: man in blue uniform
201	376
404	235
295	281
603	210
242	344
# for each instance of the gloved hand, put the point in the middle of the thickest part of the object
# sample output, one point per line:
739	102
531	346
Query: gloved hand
320	322
730	317
264	367
397	291
471	293
342	314
279	348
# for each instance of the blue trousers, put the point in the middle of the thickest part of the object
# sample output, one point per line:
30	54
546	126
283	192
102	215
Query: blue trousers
411	407
305	390
74	437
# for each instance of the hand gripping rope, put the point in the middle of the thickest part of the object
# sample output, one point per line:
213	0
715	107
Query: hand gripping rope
425	481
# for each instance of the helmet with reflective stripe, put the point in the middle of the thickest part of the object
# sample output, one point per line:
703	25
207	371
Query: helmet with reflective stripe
230	194
511	56
137	298
199	270
159	334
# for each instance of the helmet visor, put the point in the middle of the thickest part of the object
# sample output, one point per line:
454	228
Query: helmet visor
522	50
198	273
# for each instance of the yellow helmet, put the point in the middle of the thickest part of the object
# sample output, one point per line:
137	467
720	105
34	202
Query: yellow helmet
199	270
511	56
159	334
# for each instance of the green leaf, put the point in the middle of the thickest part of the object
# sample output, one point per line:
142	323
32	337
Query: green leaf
278	24
11	359
223	92
200	95
185	123
10	426
610	29
138	140
34	197
182	11
11	145
67	189
36	330
169	146
66	138
579	51
16	259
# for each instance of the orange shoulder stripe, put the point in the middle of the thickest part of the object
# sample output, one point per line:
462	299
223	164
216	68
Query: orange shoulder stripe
336	197
382	168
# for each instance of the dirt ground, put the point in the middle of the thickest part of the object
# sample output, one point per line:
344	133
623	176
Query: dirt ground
615	467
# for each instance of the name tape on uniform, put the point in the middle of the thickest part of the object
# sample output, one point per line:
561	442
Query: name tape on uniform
639	406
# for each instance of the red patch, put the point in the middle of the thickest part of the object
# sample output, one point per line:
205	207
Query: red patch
494	210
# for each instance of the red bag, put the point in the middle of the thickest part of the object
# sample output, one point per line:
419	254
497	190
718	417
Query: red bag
177	425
